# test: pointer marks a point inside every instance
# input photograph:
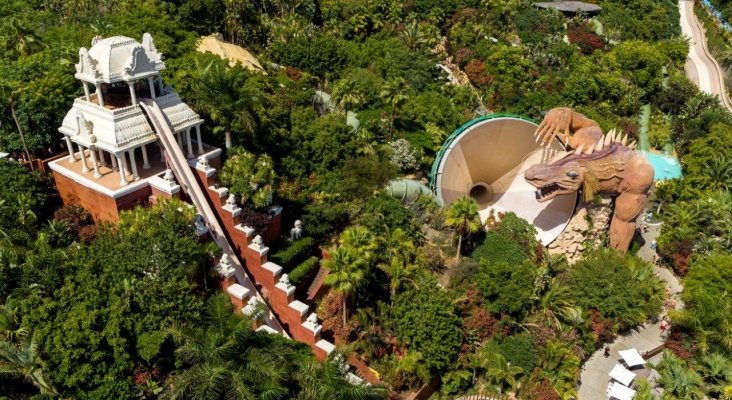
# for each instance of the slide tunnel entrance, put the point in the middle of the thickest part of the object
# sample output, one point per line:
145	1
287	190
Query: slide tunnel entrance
486	159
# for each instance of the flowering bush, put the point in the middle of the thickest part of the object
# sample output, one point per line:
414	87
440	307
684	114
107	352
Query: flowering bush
581	35
403	155
477	74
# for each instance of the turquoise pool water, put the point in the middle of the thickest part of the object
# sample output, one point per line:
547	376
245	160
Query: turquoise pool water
665	167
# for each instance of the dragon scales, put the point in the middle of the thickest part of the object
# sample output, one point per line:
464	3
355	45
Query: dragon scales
596	163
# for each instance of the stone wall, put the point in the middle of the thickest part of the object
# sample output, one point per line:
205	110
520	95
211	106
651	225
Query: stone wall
586	229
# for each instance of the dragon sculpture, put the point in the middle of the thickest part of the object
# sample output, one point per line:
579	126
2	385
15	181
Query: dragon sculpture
596	163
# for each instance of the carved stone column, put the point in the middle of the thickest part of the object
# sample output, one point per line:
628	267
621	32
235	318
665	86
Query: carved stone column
70	145
145	164
84	166
122	173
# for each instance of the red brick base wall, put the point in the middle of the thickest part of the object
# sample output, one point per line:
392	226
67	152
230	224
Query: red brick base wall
101	206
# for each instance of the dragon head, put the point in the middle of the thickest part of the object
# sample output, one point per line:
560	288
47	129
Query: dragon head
552	180
569	171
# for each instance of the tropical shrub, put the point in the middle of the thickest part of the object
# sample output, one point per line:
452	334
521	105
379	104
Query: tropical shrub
507	288
248	176
426	322
707	307
294	253
621	287
302	270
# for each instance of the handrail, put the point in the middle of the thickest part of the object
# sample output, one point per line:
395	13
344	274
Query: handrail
189	184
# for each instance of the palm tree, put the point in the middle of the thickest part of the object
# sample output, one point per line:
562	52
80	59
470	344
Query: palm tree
412	35
359	238
556	304
394	92
222	92
716	370
226	361
684	215
558	364
347	95
326	381
643	390
399	263
463	217
719	172
23	361
678	381
348	272
501	374
10	329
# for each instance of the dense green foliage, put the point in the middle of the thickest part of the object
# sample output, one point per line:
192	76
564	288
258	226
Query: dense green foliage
507	288
117	298
707	305
507	318
226	359
426	321
621	287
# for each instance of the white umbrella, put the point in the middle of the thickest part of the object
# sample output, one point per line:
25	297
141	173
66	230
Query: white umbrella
621	392
622	375
631	357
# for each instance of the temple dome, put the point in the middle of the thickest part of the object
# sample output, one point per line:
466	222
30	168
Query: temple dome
119	58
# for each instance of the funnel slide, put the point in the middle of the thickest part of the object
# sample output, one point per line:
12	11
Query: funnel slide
486	159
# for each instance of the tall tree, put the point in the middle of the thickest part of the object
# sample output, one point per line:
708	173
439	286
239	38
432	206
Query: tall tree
399	261
463	217
395	93
9	97
222	92
347	95
348	272
222	361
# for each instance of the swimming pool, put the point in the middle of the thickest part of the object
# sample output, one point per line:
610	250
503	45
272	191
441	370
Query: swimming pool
665	167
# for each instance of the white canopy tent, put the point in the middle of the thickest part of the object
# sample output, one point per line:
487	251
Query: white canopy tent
632	358
622	375
621	392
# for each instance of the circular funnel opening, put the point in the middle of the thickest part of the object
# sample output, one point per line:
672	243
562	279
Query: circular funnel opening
486	159
481	192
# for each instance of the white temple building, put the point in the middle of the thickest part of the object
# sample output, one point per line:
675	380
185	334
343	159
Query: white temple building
111	143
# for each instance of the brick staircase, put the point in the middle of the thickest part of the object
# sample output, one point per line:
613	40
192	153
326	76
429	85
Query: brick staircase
317	284
294	315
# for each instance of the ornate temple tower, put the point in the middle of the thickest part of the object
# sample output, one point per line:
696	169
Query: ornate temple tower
115	160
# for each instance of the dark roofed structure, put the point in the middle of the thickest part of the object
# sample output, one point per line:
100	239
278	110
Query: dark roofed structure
570	6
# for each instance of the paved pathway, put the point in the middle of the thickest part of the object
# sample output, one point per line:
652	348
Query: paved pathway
701	68
594	378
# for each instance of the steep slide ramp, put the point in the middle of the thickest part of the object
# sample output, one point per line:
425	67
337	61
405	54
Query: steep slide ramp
701	68
182	171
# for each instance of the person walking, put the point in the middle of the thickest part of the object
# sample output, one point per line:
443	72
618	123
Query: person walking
664	325
607	351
